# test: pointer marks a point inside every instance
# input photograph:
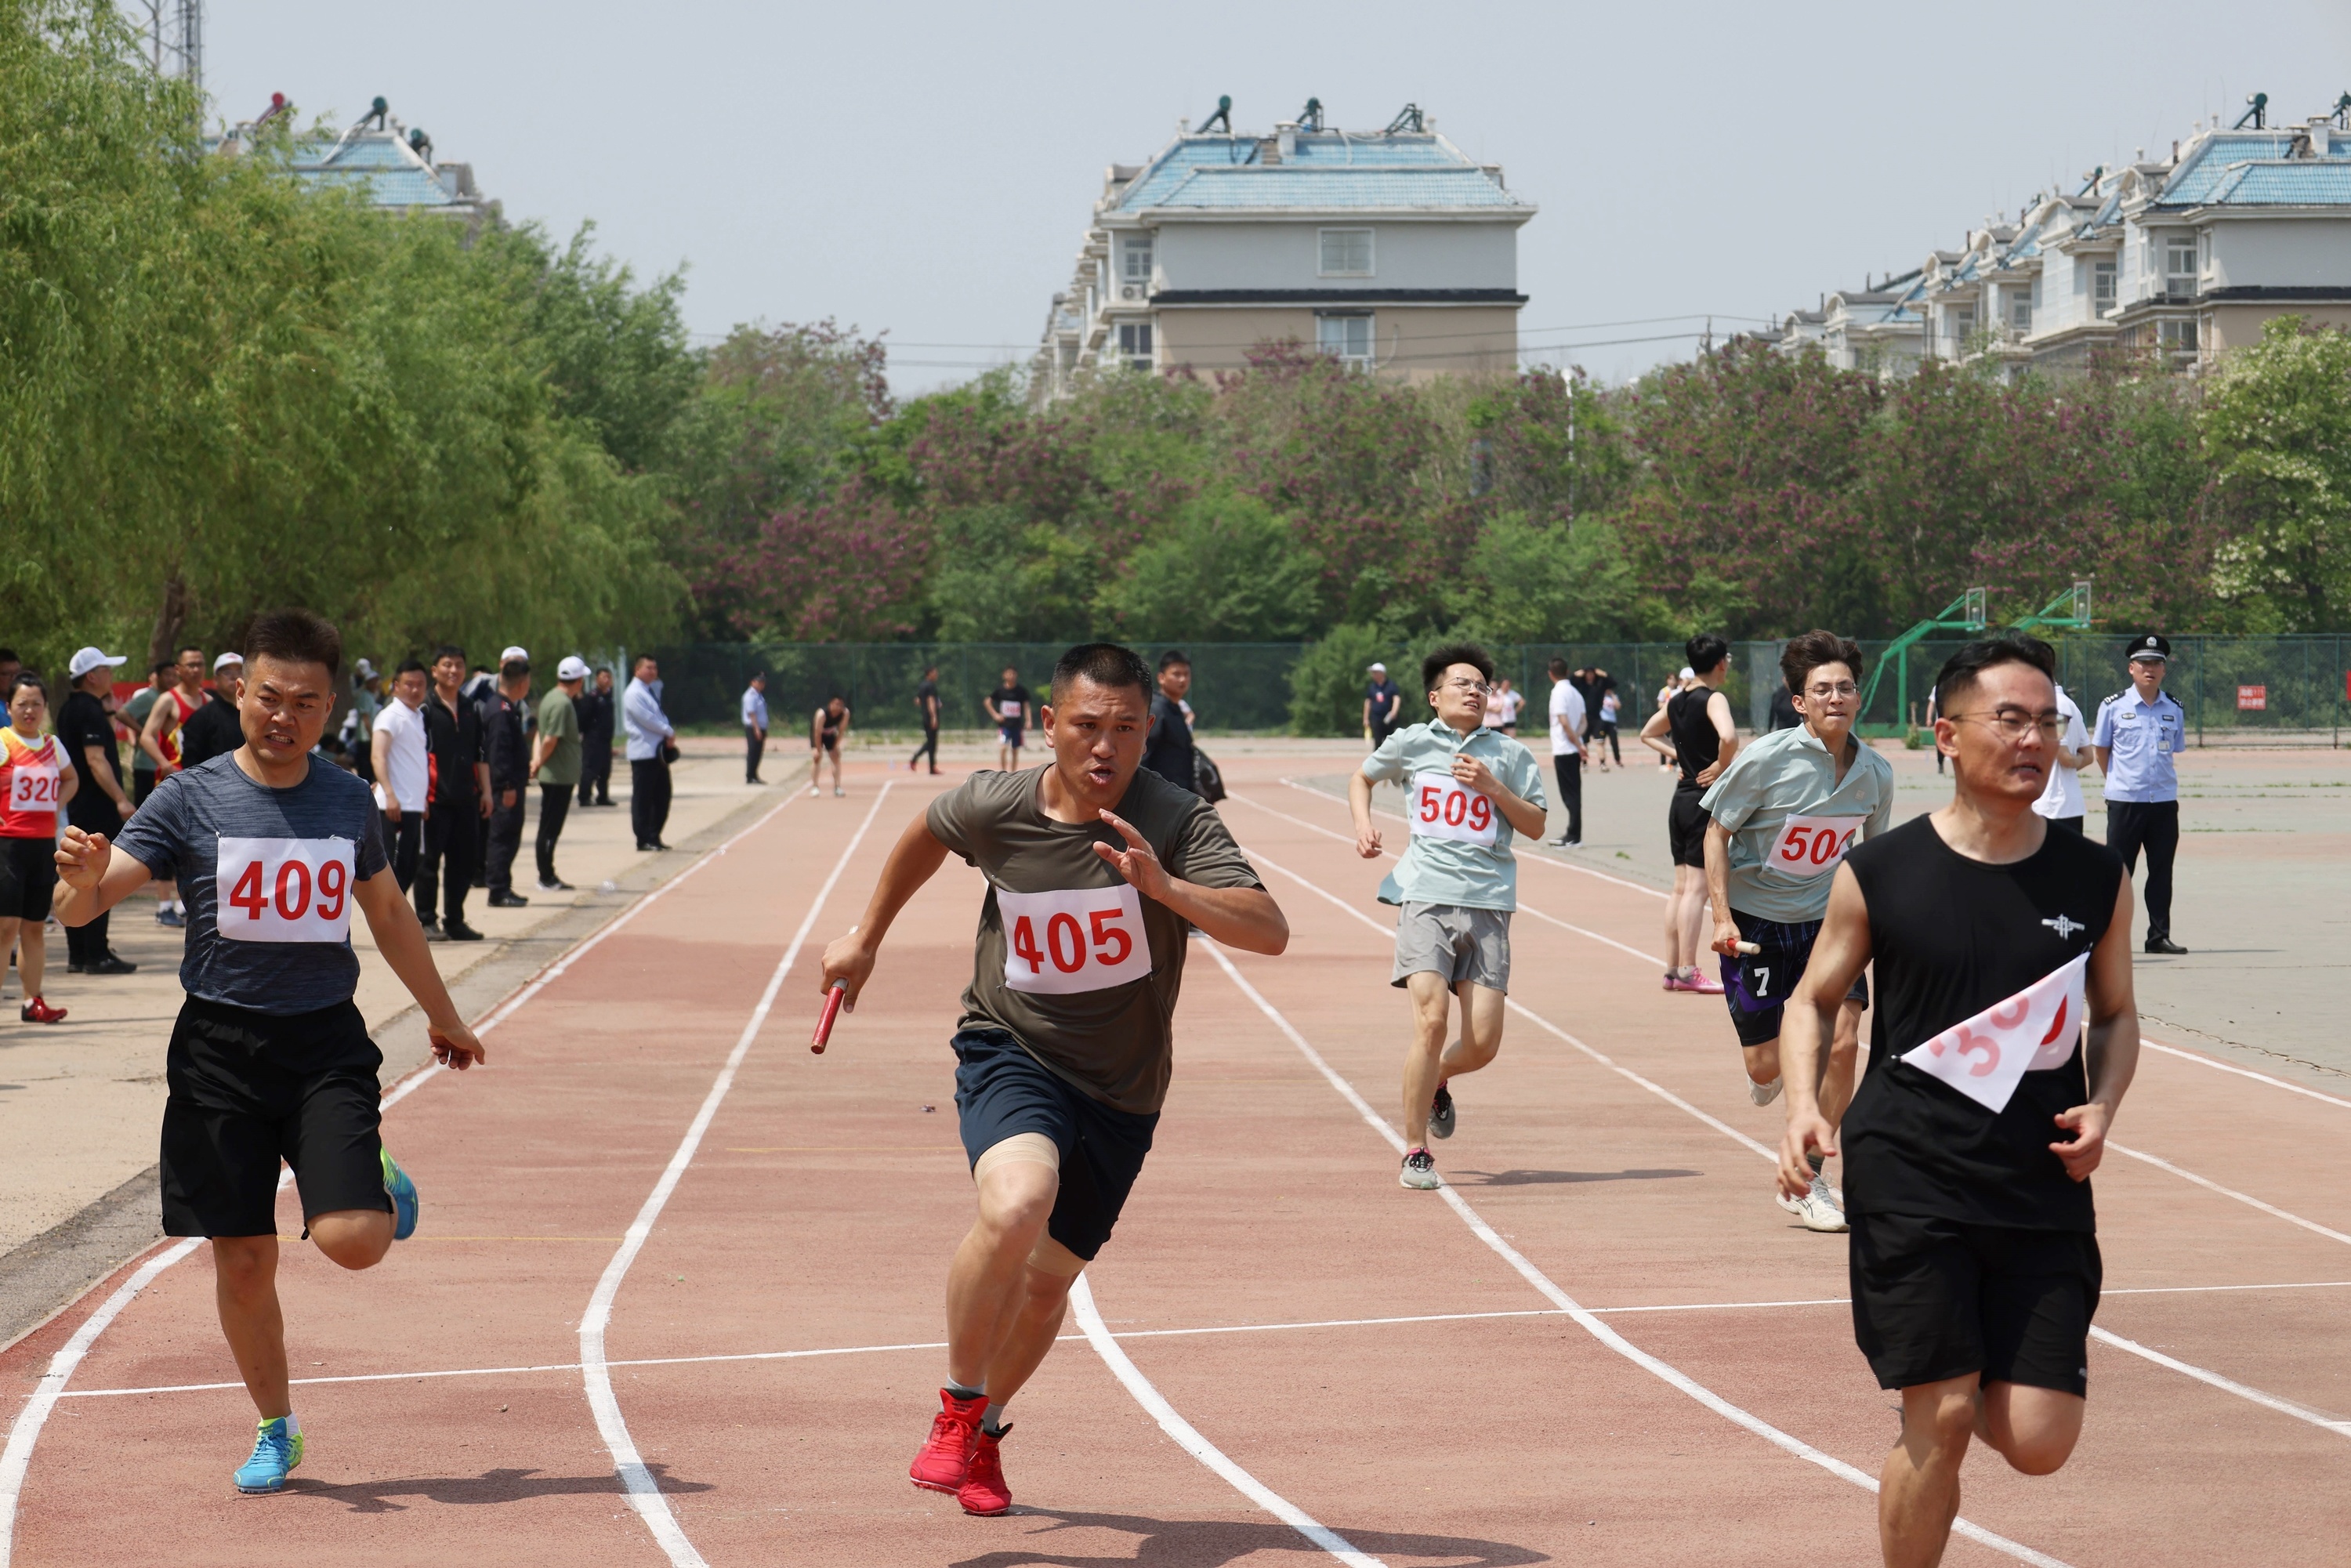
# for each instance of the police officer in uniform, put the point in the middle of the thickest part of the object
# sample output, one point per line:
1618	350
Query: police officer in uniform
2138	732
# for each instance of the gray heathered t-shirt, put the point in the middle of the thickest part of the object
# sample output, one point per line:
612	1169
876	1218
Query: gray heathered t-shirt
293	859
1072	927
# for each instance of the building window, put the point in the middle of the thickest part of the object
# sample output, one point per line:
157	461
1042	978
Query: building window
1347	339
2177	337
1962	318
2102	285
1134	258
1135	345
2180	265
1346	252
2019	312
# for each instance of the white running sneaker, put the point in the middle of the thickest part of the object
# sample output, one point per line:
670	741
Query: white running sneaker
1818	1208
1763	1093
1419	1172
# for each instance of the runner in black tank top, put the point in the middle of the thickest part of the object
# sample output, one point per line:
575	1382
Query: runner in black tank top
1695	744
1694	729
1970	1144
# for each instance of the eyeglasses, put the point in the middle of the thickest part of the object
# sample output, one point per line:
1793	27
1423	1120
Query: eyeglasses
1842	689
2011	723
1479	687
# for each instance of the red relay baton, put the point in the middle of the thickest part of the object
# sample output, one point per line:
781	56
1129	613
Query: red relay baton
832	995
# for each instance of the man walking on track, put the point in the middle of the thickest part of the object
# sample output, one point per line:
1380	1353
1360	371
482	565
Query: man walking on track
652	744
926	708
2138	733
555	763
1781	817
1008	705
1567	752
1969	1147
1063	1050
754	726
1468	789
1382	706
828	726
1692	730
269	1057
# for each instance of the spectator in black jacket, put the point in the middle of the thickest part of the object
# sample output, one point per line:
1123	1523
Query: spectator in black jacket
215	729
1168	748
461	799
506	746
595	722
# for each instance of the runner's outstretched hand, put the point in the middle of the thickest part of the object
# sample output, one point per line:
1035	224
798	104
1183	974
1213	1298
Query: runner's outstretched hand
2081	1154
1136	862
454	1045
82	859
1808	1132
846	958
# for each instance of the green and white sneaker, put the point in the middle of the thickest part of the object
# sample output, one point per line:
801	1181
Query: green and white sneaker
1419	1172
403	1193
276	1450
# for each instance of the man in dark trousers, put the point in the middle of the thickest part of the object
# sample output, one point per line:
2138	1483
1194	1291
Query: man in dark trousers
926	706
2138	732
1168	748
461	797
101	802
596	725
506	746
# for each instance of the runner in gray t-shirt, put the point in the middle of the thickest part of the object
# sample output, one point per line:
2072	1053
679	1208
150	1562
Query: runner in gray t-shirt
273	847
1093	869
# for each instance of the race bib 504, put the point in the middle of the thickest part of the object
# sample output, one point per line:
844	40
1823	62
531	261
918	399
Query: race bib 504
33	787
1812	846
1988	1055
285	890
1444	808
1076	939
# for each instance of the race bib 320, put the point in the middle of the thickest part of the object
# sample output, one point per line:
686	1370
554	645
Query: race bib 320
1812	846
285	890
1075	939
33	787
1444	808
1988	1055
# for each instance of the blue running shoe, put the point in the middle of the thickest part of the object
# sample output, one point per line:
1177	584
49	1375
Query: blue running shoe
276	1451
403	1193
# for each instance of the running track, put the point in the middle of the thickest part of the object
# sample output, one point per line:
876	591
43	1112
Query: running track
676	1295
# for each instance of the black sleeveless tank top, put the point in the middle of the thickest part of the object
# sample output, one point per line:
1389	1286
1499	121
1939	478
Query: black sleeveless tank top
1695	744
1950	938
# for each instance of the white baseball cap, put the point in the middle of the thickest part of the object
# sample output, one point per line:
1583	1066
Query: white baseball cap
1687	674
573	668
1380	667
88	659
225	659
511	655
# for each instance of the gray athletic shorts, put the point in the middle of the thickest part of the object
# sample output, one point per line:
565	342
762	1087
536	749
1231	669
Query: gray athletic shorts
1459	943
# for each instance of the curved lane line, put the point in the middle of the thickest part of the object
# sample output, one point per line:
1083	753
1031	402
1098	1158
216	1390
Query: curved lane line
2226	1384
26	1431
644	1493
2219	1066
1187	1437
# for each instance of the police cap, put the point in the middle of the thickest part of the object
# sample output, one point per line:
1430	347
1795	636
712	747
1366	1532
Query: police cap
2153	647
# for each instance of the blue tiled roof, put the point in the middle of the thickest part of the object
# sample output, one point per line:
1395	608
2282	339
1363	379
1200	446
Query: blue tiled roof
2300	182
1327	172
2191	183
391	176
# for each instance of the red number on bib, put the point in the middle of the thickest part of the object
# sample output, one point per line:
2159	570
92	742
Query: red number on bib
1053	929
1428	803
294	871
1795	849
1111	937
1825	847
1456	806
1024	945
332	889
1481	814
246	894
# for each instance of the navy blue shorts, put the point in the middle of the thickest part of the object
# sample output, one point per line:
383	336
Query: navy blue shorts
1757	985
1001	1090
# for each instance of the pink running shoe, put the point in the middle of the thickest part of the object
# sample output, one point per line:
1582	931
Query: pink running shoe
1704	983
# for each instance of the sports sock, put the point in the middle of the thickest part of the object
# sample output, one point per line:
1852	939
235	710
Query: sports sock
293	1425
959	1391
993	1422
1815	1159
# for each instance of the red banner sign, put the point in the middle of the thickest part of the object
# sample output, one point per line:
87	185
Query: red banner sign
2253	699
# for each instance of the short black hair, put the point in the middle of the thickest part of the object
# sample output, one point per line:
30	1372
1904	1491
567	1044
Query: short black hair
514	667
192	648
1172	657
1439	659
1558	668
1704	652
1104	663
1808	652
163	665
1960	672
8	657
26	678
295	636
408	664
448	650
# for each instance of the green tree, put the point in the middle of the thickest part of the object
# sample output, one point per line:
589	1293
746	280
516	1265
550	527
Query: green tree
1224	570
2277	424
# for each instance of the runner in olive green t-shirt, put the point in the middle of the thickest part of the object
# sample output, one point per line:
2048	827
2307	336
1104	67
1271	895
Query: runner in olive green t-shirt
1094	868
555	763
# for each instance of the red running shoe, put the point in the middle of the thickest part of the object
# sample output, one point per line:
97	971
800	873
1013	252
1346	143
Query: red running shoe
945	1458
984	1491
36	1010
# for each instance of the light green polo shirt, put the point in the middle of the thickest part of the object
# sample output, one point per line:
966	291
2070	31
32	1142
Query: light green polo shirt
1788	773
1445	870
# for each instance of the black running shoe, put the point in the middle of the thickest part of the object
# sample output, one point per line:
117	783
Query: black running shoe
1440	1113
2164	944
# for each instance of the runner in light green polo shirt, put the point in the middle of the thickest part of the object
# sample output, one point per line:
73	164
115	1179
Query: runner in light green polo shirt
1468	791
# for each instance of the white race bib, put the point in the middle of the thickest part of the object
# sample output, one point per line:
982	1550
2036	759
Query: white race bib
285	890
1812	846
1986	1057
1074	939
33	787
1444	808
1011	712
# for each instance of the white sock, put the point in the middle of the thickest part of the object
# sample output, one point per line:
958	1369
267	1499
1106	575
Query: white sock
293	1425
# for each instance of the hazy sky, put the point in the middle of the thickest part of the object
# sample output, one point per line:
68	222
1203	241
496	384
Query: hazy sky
927	169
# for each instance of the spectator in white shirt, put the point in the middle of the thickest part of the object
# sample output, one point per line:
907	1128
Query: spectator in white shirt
403	775
754	726
652	744
2060	798
1567	751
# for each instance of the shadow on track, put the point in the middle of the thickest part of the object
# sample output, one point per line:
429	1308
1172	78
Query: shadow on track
1556	1178
1209	1543
489	1486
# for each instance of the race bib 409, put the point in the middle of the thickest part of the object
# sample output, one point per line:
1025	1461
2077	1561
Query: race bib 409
285	890
1075	939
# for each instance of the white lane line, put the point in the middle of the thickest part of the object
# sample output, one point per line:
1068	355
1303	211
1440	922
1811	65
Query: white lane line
1532	859
1188	1438
644	1493
1585	1319
2219	1066
2286	1407
2207	1183
17	1456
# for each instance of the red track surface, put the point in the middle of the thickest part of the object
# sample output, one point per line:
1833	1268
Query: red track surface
820	1204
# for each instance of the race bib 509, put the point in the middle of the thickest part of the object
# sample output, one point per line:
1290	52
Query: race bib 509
1444	808
285	890
1075	939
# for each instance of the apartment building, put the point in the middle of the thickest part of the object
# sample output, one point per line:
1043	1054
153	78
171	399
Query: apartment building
390	164
1391	250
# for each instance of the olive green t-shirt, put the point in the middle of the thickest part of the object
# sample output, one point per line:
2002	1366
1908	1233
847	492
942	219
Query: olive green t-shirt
557	717
1059	982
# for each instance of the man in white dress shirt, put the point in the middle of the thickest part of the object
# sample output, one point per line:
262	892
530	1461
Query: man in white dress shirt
651	745
403	774
754	726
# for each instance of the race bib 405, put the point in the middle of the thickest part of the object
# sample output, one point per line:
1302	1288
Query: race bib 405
285	890
1986	1056
1812	846
1444	808
1076	939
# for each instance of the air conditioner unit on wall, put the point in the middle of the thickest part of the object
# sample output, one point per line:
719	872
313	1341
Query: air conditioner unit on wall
1130	291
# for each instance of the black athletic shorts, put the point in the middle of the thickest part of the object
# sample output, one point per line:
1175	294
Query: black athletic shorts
1939	1298
249	1089
28	874
1686	825
1001	1090
1757	985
